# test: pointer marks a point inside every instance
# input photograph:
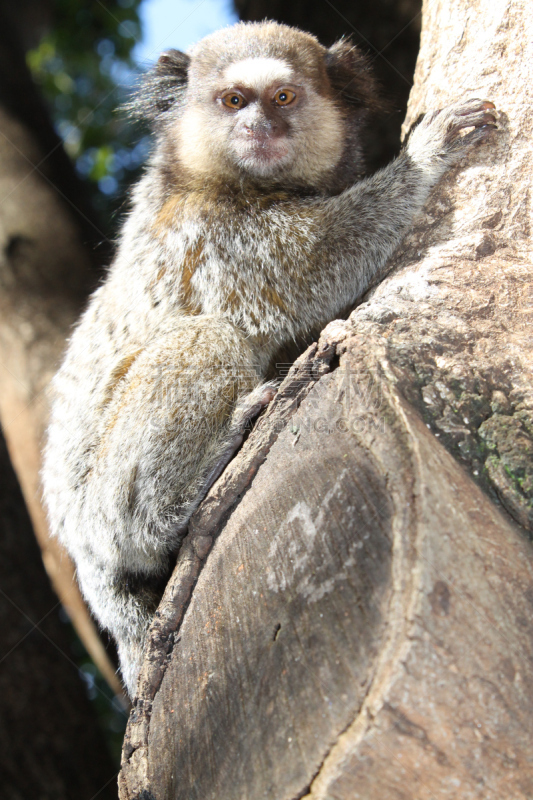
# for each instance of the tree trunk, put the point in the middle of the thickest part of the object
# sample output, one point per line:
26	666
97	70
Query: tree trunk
45	276
351	614
50	745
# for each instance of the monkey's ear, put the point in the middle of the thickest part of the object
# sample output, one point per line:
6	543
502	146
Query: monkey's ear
351	76
161	87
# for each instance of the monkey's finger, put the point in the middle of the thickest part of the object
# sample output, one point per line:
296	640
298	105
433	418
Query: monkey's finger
474	105
473	137
485	118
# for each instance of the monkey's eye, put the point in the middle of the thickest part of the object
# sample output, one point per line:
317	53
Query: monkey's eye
233	100
283	97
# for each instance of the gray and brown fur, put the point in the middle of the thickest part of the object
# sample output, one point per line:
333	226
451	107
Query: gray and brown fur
250	229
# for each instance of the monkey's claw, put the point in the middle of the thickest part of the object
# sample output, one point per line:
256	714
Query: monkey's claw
481	115
478	114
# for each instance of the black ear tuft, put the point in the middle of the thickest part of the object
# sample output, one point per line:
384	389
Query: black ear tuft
161	87
351	76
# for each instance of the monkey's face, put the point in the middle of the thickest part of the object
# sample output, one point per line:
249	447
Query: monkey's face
258	104
260	117
263	101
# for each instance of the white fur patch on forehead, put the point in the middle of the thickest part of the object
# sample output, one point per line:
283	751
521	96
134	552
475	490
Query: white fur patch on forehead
258	73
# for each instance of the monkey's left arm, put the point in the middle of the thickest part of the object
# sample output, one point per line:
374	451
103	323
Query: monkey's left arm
365	223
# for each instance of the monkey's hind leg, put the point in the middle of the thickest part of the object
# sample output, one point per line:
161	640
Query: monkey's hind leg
175	417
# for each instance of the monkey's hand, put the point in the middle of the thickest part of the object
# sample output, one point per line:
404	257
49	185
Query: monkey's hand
366	222
440	139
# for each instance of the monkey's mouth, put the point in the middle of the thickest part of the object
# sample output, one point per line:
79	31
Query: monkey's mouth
262	152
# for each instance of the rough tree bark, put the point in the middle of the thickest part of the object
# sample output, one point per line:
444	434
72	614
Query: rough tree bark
351	614
45	275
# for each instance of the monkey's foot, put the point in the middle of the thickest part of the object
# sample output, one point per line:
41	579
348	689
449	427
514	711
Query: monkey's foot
253	404
245	413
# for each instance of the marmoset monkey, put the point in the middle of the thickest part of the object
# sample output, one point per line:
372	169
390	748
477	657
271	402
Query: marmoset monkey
250	228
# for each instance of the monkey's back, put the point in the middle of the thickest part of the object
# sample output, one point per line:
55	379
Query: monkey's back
141	407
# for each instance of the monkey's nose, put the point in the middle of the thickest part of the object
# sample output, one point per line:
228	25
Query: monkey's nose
261	130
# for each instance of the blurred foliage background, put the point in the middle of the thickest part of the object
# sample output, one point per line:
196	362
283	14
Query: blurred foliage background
85	69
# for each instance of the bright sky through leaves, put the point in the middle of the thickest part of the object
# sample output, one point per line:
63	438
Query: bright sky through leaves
179	23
